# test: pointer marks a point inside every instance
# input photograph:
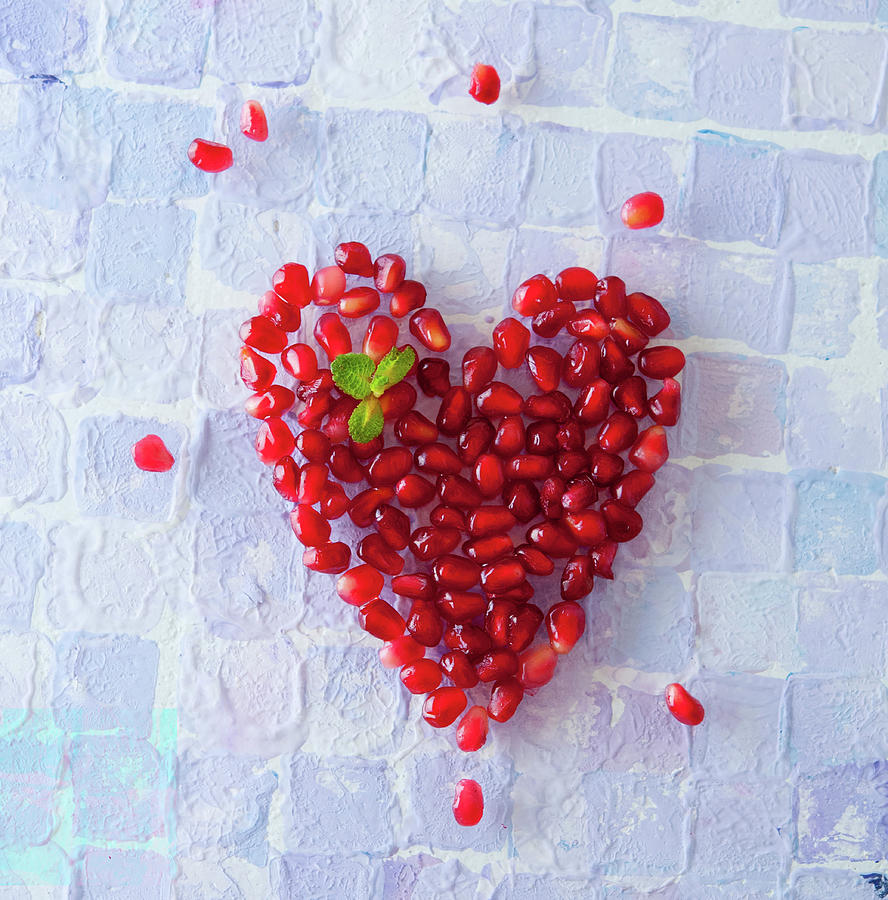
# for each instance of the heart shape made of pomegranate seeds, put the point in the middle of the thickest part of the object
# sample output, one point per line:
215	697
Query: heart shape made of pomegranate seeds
474	491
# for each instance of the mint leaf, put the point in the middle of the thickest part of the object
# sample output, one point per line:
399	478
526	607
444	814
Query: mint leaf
352	373
392	368
365	423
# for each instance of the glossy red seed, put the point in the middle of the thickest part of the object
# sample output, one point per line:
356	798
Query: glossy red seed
602	558
498	621
262	334
364	505
456	572
623	523
388	272
291	282
488	549
312	483
642	210
365	450
686	708
454	490
359	585
510	342
549	322
614	365
485	84
632	487
651	449
631	396
522	501
499	399
433	377
565	623
581	364
455	411
414	491
593	403
501	576
253	123
544	365
478	368
661	362
273	402
443	706
328	286
381	336
610	297
381	620
285	477
345	467
331	558
431	541
552	540
504	699
528	467
256	372
629	338
150	454
393	526
490	520
519	594
409	296
577	577
421	676
497	664
416	586
604	468
332	335
524	623
389	466
509	437
588	325
283	314
274	440
438	459
458	607
542	438
402	651
553	406
587	527
447	515
579	494
647	313
424	622
534	295
397	400
323	384
468	639
354	258
414	429
309	526
533	559
301	362
457	667
335	502
576	283
571	436
665	405
210	156
473	440
315	410
357	302
314	445
471	733
537	666
571	463
489	475
427	326
618	432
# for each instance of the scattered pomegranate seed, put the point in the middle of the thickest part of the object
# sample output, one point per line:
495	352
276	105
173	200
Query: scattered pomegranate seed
262	334
455	411
488	549
365	450
496	665
554	406
499	399
589	326
364	505
438	459
504	699
576	284
454	490
610	297
375	551
285	477
629	338
537	666
489	474
593	403
393	526
478	368
332	335
642	210
421	676
409	296
650	451
458	607
433	377
587	526
510	342
474	440
550	321
345	467
273	402
300	361
544	365
389	466
414	429
471	733
283	314
485	84
416	586
552	539
431	541
401	651
381	620
331	558
274	440
210	156
335	502
602	558
577	577
647	313
150	454
360	585
665	405
291	283
615	366
314	445
534	560
534	296
424	623
661	362
632	487
468	639
357	302
443	706
354	259
256	372
312	483
604	468
687	709
542	438
623	523
388	272
447	515
565	622
414	491
381	336
397	400
457	667
490	520
309	526
522	501
427	326
618	432
253	123
456	572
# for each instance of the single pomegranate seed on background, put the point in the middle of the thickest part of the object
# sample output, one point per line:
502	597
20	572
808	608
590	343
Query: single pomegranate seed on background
651	450
291	282
455	411
427	326
381	619
312	483
357	302
602	558
273	402
618	432
577	578
629	338
485	84
309	526
262	334
421	676
471	732
504	699
389	466
665	405
375	551
274	440
610	297
416	586
253	123
300	361
315	410
431	541
381	336
537	666
433	377
490	476
335	502
443	706
359	585
554	406
661	362
388	272
256	372
354	258
150	454
565	622
534	560
314	445
478	368
510	342
331	558
328	286
283	314
424	622
402	651
534	295
642	210
458	607
285	477
647	313
623	523
498	621
686	708
409	296
522	501
523	626
632	487
529	467
393	526
588	325
579	494
414	491
544	365
550	321
576	283
509	438
332	335
210	156
497	577
457	667
488	549
364	505
474	440
456	572
581	364
499	399
345	467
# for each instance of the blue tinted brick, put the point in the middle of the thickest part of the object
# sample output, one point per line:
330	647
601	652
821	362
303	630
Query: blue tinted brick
30	771
825	207
106	480
297	877
20	344
732	192
69	349
51	37
449	879
139	252
835	522
880	203
741	81
830	884
657	85
831	10
739	521
544	887
106	874
646	737
40	243
476	168
570	45
825	302
104	682
23	562
158	41
373	160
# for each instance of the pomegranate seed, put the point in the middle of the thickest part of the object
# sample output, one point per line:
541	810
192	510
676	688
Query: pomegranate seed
414	491
614	366
331	558
359	585
534	295
402	651
210	156
364	505
478	368
438	459
504	699
593	403
456	572
313	445
443	706
457	667
577	578
274	440
455	411
471	733
474	440
312	483
579	494
414	428
488	549
589	326
279	311
323	384
510	342
552	540
328	286
433	377
273	402
650	451
382	333
629	338
332	335
661	362
431	541
632	487
587	526
602	558
315	410
301	362
523	626
535	562
335	502
604	467
490	476
390	466
554	406
528	467
576	284
618	432
421	676
286	478
548	323
520	594
647	313
498	399
409	296
393	526
150	454
497	577
253	123
623	523
581	364
565	622
447	515
388	272
522	501
381	619
571	463
537	666
454	490
665	405
458	607
416	586
291	282
490	520
262	334
309	526
345	467
542	438
375	551
687	709
367	449
397	400
427	326
354	259
424	622
642	210
509	437
498	621
468	639
485	85
357	302
571	436
631	396
256	372
544	365
497	664
610	297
